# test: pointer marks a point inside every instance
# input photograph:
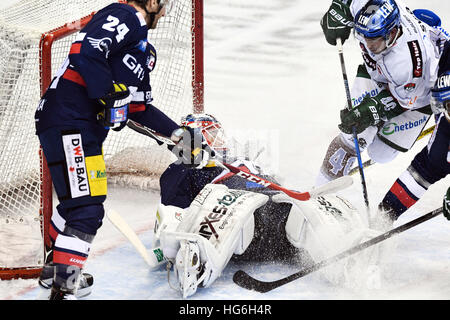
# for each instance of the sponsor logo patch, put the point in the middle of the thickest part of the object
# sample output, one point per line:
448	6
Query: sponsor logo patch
97	175
217	214
101	44
76	167
410	87
443	81
393	127
416	56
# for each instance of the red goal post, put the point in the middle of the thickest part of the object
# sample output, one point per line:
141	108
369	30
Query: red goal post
178	81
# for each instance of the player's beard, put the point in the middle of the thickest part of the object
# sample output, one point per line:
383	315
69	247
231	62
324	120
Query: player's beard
153	19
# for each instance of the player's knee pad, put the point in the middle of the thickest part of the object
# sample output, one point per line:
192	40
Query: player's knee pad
338	160
380	152
87	218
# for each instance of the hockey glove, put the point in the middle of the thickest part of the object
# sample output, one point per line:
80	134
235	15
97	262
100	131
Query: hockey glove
191	147
337	22
446	205
370	112
115	107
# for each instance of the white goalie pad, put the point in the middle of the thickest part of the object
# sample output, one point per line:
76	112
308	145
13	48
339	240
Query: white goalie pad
220	221
326	226
167	218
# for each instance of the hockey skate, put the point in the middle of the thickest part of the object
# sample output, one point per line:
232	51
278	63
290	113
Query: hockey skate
383	219
59	294
46	281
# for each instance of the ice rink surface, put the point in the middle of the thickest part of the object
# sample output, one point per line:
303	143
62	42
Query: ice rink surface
269	70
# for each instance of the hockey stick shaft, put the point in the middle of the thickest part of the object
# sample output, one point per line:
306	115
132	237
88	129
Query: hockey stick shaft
355	136
246	281
153	260
332	186
370	162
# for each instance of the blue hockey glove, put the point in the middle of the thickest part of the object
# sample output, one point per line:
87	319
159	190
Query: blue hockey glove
115	107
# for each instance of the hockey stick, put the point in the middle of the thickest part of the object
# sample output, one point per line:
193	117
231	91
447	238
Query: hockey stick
244	280
155	259
329	187
370	162
160	139
332	186
355	136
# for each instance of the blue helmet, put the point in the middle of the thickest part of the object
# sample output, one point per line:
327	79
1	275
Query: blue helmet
440	95
377	18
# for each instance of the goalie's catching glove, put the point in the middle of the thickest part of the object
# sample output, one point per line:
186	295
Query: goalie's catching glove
337	22
446	204
115	107
370	112
191	147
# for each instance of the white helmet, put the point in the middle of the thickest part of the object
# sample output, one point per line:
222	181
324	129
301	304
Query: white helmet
188	268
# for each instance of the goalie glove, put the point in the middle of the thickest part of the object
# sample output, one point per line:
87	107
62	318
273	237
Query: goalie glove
191	147
337	22
446	204
115	107
370	112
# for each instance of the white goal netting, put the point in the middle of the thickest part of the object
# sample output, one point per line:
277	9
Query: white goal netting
132	159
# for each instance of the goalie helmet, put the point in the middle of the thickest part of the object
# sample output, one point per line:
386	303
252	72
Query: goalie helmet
188	268
210	128
440	95
376	20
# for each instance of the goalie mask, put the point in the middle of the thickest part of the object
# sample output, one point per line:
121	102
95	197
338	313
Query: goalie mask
210	128
188	268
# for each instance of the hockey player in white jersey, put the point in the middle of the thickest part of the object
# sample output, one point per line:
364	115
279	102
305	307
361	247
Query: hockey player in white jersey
208	216
392	89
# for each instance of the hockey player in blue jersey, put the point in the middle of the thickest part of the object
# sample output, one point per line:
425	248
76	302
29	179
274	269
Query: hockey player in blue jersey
104	81
433	162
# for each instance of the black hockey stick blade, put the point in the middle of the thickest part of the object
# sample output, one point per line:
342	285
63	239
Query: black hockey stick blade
246	281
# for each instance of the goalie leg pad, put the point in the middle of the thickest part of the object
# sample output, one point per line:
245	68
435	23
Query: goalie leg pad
220	222
167	219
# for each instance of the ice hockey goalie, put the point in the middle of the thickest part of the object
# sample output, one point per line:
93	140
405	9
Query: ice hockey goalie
223	223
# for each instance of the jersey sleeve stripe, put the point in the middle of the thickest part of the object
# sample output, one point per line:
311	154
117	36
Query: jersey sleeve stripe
75	48
74	76
133	107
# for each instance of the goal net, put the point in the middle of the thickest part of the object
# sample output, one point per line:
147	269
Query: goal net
35	37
